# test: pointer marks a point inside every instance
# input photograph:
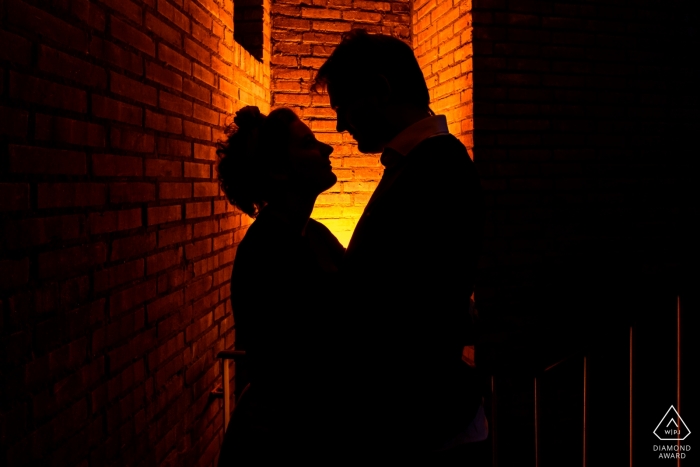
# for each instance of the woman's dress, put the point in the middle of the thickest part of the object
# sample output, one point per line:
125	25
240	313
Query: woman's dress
286	318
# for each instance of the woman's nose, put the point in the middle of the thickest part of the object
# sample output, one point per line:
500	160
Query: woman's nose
326	149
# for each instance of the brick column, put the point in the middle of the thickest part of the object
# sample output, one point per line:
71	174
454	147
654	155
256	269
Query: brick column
442	41
303	36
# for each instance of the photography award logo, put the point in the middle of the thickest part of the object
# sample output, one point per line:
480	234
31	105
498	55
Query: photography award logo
672	428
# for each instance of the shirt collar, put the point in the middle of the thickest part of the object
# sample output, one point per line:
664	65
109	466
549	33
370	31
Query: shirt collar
409	138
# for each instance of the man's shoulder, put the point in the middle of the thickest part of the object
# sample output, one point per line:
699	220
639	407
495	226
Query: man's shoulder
444	142
441	154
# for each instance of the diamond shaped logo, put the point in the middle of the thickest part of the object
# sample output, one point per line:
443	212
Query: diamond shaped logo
671	427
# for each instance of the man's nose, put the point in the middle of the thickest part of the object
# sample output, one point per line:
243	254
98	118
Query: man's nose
341	125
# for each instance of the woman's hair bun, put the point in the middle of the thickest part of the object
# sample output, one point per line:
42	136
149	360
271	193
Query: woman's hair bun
248	118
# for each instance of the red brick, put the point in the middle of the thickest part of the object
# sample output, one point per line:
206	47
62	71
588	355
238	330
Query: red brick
205	36
198	288
131	192
132	89
220	206
114	221
37	231
195	170
45	24
132	36
197	249
135	245
116	55
69	260
104	107
174	15
118	275
174	190
163	30
228	88
162	122
165	351
203	74
174	59
55	195
89	13
28	159
293	99
131	140
205	114
161	377
163	168
222	241
165	305
206	265
222	102
163	260
324	13
14	48
31	89
130	298
126	7
199	14
194	210
195	130
202	189
107	165
230	222
199	326
195	90
163	214
69	131
14	273
163	76
197	52
13	122
204	229
175	104
173	235
174	147
75	69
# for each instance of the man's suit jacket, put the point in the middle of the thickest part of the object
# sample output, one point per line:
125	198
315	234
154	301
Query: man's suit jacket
409	271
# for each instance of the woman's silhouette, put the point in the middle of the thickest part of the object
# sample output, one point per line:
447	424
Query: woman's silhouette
273	168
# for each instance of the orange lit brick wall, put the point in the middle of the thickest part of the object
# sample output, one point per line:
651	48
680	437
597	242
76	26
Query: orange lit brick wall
442	41
303	35
117	245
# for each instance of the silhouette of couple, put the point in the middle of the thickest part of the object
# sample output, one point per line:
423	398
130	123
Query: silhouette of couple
355	355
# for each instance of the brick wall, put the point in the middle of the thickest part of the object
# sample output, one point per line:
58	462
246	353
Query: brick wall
583	116
117	243
442	42
303	36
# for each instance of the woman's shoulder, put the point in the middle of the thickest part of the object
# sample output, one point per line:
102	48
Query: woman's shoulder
324	242
316	231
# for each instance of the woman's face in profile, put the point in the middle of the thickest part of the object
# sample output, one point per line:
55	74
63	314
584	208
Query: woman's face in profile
309	160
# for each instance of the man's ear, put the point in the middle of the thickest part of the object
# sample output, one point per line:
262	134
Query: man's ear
384	91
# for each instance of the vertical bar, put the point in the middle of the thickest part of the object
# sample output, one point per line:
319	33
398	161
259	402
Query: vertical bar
630	441
678	370
585	409
494	435
227	393
537	428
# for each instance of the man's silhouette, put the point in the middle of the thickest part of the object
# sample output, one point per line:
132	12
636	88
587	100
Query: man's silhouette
410	266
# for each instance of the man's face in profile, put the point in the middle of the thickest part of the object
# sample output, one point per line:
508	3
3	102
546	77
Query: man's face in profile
362	115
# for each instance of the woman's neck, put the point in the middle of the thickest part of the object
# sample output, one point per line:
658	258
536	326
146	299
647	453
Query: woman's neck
294	209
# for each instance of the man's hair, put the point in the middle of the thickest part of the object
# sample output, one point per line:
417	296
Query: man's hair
361	56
